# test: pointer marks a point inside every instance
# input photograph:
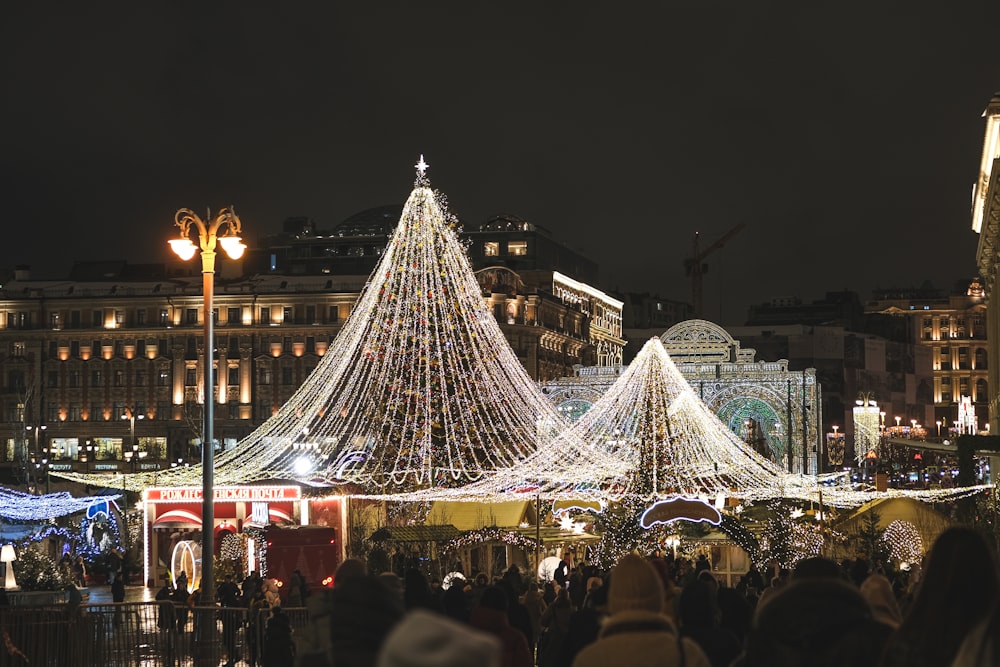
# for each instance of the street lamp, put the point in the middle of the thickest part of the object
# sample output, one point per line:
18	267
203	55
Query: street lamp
131	417
938	422
208	237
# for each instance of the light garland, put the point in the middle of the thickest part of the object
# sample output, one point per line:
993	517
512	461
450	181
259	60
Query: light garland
477	537
420	397
420	389
20	506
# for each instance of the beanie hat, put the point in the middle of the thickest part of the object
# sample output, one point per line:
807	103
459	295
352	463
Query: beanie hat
635	585
425	638
352	567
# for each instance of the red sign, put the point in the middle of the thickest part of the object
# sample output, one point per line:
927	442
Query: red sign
225	494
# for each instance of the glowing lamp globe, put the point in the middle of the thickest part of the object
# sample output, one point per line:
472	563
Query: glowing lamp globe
233	245
184	248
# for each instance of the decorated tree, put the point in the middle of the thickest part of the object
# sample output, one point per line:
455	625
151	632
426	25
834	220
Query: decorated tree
37	571
419	390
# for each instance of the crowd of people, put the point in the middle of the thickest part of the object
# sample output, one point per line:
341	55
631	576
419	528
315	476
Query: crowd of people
253	605
666	612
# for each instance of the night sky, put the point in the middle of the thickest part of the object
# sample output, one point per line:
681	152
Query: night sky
846	136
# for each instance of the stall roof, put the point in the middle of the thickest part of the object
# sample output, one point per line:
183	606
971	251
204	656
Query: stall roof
439	533
475	515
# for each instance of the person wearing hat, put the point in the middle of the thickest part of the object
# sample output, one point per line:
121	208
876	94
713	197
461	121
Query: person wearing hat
637	632
425	638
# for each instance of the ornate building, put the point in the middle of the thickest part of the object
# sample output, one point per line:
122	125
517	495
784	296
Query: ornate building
986	223
953	327
776	410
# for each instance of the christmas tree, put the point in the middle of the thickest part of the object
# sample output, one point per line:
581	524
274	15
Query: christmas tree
419	390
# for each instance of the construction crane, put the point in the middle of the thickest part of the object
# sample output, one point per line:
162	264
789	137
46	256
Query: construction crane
695	267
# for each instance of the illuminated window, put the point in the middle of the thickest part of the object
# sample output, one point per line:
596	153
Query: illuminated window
517	247
491	248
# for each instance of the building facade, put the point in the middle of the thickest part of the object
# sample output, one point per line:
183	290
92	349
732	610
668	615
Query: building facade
986	223
953	327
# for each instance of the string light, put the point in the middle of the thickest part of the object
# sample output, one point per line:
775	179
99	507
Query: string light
420	389
422	398
904	541
20	506
483	535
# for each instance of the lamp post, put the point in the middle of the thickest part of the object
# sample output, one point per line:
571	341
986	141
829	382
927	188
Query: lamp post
90	453
131	417
36	454
208	237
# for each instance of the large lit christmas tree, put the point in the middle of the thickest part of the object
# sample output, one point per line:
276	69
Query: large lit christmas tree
419	390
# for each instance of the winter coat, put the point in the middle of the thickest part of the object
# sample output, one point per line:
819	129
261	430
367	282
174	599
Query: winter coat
640	639
515	645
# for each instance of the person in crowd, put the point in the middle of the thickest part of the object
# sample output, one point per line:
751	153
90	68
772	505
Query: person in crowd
860	569
698	614
437	595
393	583
981	647
535	606
165	614
257	614
554	622
80	571
294	595
584	626
885	608
228	595
777	583
549	592
455	603
114	565
118	597
671	591
561	574
352	567
475	590
818	567
250	585
512	577
300	582
490	615
735	612
348	623
816	621
427	639
279	647
416	590
517	613
958	586
577	587
179	597
636	632
702	564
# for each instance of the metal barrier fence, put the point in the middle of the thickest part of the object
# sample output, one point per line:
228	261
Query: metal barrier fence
140	634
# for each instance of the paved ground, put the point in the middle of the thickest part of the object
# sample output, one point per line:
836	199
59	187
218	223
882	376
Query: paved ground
102	594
